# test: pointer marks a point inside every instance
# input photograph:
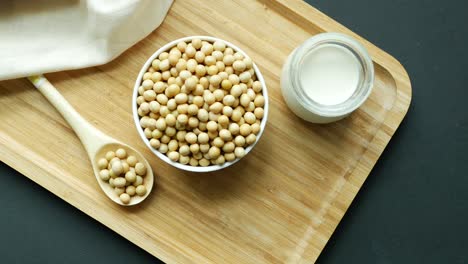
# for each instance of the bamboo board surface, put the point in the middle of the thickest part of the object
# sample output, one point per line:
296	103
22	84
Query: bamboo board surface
280	204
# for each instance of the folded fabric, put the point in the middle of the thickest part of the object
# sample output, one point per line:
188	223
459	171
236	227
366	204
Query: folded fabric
54	35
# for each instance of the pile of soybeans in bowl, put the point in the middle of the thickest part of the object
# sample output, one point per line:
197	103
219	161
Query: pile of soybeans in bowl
200	102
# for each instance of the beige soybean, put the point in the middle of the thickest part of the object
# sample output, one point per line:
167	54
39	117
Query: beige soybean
249	118
219	46
157	134
207	49
223	121
173	155
125	198
210	60
250	139
228	147
239	66
131	160
229	100
111	182
146	76
119	190
138	181
140	190
257	86
181	98
166	75
147	132
225	134
248	63
182	109
113	160
216	107
204	162
130	176
202	115
184	160
130	190
255	128
218	55
190	51
159	87
234	129
259	112
236	115
117	167
194	148
239	152
193	162
180	136
193	122
203	138
191	138
239	141
164	111
198	101
184	150
198	155
251	94
218	94
201	127
163	148
120	182
104	175
215	80
147	84
250	108
125	166
110	155
245	130
192	109
213	116
228	59
181	65
140	169
163	56
245	100
165	139
212	134
227	111
155	143
204	148
218	142
173	145
238	56
102	163
182	119
140	100
230	156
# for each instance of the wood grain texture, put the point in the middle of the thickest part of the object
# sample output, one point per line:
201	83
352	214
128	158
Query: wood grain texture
280	204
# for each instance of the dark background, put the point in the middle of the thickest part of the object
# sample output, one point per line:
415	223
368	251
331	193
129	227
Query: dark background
413	208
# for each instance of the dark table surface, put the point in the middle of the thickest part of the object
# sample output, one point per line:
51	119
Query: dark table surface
413	208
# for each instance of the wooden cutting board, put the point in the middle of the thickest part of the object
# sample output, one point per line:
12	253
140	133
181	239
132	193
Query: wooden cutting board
280	204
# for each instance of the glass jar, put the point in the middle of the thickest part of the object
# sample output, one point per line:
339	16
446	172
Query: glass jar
297	93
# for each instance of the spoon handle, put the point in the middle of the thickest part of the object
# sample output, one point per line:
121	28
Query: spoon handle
90	137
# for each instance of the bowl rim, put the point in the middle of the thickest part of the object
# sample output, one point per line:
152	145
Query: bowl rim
162	156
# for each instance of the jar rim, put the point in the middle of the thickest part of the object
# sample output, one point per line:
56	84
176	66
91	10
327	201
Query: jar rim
362	90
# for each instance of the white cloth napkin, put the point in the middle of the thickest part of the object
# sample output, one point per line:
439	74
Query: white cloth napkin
43	36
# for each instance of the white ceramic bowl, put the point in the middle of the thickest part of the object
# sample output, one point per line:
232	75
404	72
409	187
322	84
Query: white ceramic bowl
162	156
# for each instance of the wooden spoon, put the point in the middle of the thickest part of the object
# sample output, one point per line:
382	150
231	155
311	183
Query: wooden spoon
95	142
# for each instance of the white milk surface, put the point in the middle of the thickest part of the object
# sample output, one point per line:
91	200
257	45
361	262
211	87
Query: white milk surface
329	74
